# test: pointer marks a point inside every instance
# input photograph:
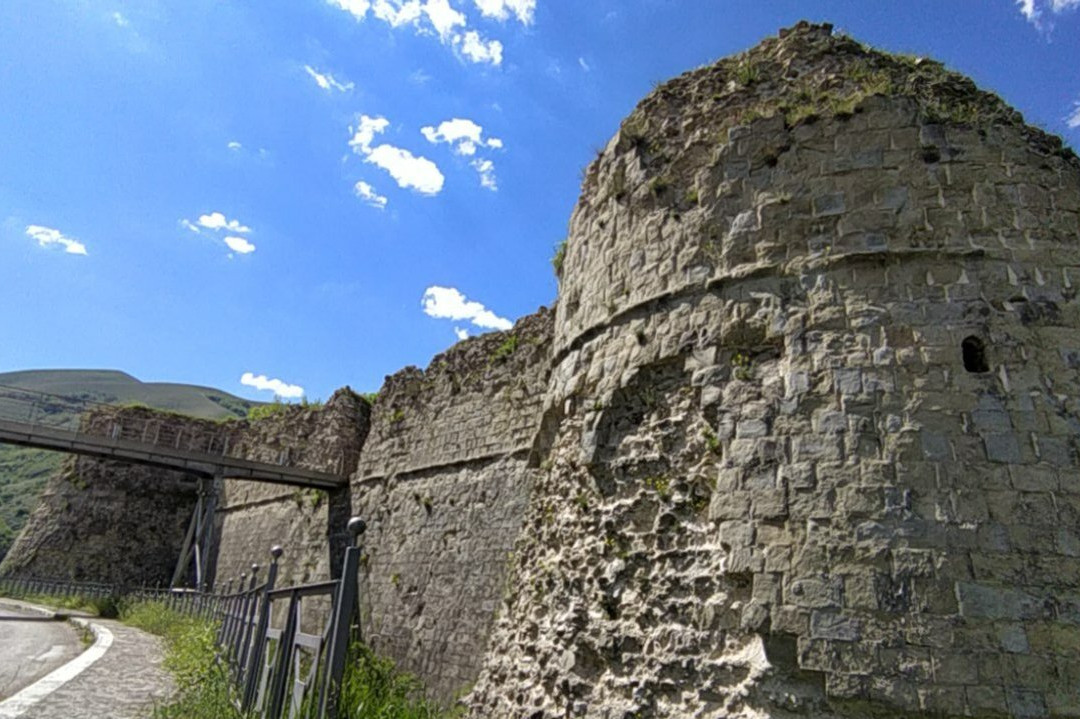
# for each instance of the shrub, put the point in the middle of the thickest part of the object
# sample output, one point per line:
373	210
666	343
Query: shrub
559	258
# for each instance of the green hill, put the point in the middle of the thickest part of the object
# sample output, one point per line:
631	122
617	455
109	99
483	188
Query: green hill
23	472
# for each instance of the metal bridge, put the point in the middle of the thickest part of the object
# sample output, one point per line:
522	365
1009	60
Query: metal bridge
80	426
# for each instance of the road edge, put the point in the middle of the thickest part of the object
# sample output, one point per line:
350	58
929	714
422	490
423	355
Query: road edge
21	702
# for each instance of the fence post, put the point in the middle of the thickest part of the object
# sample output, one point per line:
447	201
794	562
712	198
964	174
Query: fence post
233	610
251	605
344	608
279	687
258	645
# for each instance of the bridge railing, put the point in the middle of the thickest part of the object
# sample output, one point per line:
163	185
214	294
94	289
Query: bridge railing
283	661
79	416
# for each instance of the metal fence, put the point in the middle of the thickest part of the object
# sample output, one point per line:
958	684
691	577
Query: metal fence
280	666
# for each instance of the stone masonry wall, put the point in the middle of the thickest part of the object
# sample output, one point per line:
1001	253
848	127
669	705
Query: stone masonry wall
110	521
443	483
308	524
105	521
817	448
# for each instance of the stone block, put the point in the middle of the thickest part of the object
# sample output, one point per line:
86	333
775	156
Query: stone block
984	602
1004	448
829	204
1025	703
836	626
991	420
751	428
735	533
935	445
985	700
848	381
1013	638
827	421
816	592
943	701
770	504
1055	451
729	505
815	447
1029	478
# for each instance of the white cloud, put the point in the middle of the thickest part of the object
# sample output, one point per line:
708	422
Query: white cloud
46	237
326	81
279	388
358	8
365	134
443	17
239	245
217	221
439	17
399	14
367	193
449	303
486	170
462	334
120	20
501	9
234	146
1035	10
477	50
584	65
1073	120
409	171
463	135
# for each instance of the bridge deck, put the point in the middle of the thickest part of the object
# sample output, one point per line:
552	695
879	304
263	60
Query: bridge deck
200	464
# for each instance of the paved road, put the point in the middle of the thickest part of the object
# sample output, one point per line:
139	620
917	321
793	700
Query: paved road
124	684
33	646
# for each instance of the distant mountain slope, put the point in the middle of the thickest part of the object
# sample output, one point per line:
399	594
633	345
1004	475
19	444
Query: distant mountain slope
112	387
23	472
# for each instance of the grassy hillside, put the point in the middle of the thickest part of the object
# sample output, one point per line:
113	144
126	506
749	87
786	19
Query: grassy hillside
23	472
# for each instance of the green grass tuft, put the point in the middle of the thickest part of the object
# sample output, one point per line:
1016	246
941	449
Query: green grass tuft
202	682
373	688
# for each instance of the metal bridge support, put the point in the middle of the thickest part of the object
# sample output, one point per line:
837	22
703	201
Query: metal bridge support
197	553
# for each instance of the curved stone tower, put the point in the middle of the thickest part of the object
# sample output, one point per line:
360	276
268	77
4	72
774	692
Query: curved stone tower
810	438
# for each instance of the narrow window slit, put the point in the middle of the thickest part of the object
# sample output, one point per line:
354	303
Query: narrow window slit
974	352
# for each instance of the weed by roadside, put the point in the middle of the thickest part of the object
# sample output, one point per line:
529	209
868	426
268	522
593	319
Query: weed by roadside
191	655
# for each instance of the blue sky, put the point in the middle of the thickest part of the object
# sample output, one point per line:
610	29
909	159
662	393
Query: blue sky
320	192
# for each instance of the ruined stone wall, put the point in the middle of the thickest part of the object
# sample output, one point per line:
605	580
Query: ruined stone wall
308	524
103	520
815	386
443	483
108	521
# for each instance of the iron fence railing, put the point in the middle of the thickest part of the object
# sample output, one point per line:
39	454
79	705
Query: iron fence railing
78	416
281	667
